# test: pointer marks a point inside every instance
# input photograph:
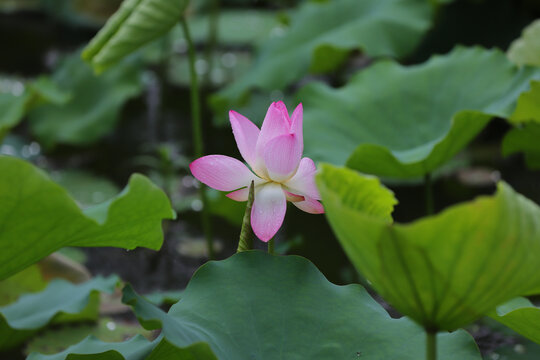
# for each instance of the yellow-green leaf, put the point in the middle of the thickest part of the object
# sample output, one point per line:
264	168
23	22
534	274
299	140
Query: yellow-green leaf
38	217
443	271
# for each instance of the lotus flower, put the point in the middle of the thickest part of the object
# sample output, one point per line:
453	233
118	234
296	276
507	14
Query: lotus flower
278	170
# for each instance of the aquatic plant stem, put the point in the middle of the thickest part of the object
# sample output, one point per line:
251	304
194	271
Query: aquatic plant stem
431	345
246	234
271	246
198	143
428	186
212	39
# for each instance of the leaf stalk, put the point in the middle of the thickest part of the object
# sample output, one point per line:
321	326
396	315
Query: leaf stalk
431	345
271	246
197	134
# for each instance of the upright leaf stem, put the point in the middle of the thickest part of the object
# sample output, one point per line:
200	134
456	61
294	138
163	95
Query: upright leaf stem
212	39
428	186
197	134
271	246
431	345
194	92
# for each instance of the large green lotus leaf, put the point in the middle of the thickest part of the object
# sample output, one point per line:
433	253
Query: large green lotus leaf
259	306
136	348
61	301
520	315
166	297
526	49
38	217
168	351
322	34
444	271
407	121
524	139
95	105
135	24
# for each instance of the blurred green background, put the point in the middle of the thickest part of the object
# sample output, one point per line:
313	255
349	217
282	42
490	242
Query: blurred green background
92	132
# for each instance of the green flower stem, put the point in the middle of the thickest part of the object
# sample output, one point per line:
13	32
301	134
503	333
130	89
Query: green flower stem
428	186
197	134
431	345
212	39
195	101
271	246
246	235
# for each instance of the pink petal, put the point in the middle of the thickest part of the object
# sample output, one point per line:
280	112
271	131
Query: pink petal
296	123
310	205
282	156
221	172
283	109
275	124
303	182
293	197
268	211
246	134
239	195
